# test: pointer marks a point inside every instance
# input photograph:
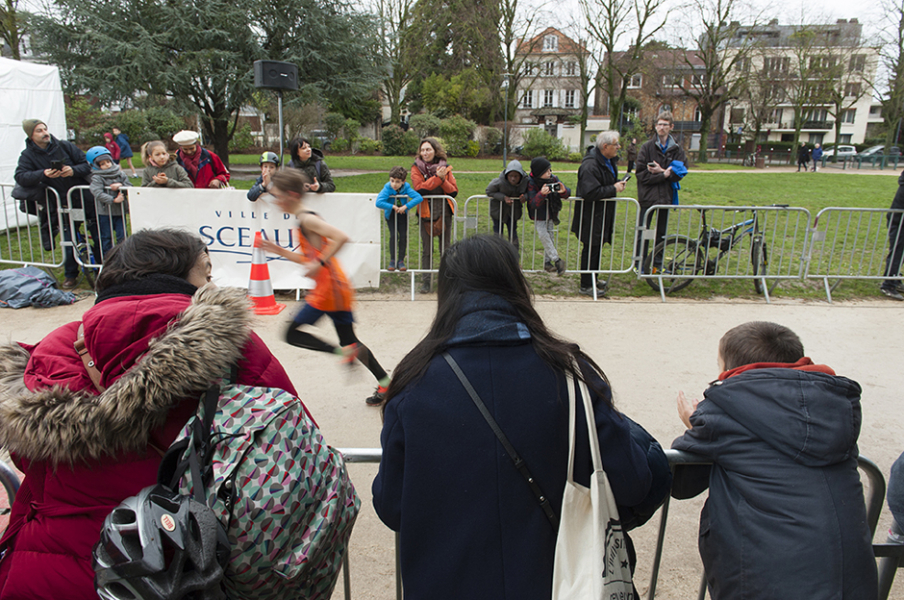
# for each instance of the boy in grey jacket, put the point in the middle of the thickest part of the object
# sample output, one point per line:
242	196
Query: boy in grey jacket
107	183
508	192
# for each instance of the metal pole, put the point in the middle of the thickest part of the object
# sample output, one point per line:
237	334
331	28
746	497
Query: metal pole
282	131
505	123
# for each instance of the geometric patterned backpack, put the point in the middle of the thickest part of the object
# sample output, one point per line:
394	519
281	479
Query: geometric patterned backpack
281	493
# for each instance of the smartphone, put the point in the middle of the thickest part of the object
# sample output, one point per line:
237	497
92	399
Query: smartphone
56	165
651	164
627	177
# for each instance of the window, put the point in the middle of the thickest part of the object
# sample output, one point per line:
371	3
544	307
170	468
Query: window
569	98
697	80
776	64
527	101
848	116
630	113
698	116
822	62
737	115
858	63
875	111
671	80
852	89
551	43
549	69
775	116
635	81
571	68
529	69
547	98
815	114
846	138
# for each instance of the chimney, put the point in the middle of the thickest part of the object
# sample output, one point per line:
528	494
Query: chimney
854	21
773	22
841	21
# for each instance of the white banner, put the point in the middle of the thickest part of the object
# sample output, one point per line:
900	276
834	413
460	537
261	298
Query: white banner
227	222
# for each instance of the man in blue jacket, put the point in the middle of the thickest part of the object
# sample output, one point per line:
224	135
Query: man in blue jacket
58	164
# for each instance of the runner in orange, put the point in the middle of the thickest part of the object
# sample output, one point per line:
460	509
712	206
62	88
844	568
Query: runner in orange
332	295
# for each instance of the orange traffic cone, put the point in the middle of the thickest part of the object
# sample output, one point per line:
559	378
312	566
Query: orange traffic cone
260	290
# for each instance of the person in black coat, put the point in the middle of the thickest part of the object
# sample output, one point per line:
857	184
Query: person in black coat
892	287
36	170
593	218
470	526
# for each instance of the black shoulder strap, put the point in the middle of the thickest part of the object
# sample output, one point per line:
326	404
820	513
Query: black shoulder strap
509	449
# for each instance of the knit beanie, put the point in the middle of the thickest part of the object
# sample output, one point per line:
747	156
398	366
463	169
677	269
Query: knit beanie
538	166
29	125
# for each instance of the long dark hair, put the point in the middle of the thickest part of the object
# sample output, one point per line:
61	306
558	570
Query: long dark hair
489	263
150	251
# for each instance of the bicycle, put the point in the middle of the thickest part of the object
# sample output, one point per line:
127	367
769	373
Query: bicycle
683	258
749	160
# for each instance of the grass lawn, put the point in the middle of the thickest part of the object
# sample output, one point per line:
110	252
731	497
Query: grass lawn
812	191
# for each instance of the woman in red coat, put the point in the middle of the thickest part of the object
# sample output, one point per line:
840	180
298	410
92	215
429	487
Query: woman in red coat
88	437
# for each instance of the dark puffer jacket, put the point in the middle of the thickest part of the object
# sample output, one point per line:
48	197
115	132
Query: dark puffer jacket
785	517
316	167
34	160
83	452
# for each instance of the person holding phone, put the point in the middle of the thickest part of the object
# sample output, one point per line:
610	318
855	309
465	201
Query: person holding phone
656	181
49	162
594	218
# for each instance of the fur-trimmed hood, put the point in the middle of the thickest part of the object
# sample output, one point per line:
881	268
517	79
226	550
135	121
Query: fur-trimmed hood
63	425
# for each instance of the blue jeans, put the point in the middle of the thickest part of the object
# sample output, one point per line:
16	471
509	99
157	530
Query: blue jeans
118	227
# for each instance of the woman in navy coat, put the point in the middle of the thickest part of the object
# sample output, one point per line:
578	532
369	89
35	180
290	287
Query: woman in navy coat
470	526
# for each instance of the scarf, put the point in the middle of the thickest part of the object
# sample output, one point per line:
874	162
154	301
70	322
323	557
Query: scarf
804	364
191	162
149	285
429	170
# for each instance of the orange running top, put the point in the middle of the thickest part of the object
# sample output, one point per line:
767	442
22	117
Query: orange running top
332	292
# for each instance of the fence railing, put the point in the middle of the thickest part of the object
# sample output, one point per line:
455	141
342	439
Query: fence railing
874	497
854	243
30	240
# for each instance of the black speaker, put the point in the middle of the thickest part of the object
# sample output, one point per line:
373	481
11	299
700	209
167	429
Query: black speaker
275	75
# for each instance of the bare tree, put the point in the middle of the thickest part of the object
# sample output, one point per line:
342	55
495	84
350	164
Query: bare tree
893	60
759	92
11	27
715	58
517	32
394	19
608	22
848	70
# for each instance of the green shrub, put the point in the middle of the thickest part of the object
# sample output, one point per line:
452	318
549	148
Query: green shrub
537	142
492	139
334	123
133	123
339	145
369	146
457	131
575	157
241	139
473	148
424	125
399	143
163	123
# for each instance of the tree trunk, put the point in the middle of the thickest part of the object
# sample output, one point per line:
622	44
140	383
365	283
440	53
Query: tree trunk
219	136
705	119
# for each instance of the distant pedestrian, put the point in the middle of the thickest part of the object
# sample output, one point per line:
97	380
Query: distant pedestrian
893	288
816	155
631	153
112	147
803	157
125	149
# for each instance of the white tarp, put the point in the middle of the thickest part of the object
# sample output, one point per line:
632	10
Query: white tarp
227	222
27	91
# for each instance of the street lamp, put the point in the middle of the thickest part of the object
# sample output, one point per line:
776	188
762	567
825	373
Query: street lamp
505	89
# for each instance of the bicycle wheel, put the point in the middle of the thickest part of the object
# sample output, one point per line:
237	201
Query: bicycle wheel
759	261
678	256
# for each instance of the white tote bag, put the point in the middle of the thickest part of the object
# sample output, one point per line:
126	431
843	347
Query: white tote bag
591	557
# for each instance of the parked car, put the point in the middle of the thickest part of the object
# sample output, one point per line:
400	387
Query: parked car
323	137
880	151
844	151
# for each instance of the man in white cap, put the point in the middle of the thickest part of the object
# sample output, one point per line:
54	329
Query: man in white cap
204	168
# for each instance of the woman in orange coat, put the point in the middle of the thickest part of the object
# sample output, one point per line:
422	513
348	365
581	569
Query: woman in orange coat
432	176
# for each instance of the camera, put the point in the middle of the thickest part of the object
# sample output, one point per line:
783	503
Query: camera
556	187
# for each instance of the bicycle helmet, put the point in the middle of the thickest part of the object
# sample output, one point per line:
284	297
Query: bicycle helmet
269	157
96	152
160	545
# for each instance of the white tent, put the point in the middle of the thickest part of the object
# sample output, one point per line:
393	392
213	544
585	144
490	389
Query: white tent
27	91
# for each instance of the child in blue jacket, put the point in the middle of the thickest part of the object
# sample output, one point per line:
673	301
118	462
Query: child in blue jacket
395	210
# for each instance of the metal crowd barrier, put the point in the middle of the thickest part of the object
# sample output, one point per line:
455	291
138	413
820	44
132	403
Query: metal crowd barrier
765	244
418	251
853	243
874	497
21	241
89	247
